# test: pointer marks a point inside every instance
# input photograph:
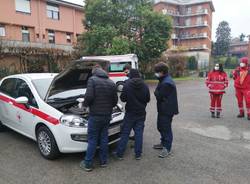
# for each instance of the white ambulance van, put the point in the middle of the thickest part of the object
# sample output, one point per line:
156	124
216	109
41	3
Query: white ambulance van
117	63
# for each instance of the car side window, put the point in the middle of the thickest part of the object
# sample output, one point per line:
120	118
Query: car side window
8	87
23	89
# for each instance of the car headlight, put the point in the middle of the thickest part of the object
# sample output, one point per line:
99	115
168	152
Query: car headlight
73	121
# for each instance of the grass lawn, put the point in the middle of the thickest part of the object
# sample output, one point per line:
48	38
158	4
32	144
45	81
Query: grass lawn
176	79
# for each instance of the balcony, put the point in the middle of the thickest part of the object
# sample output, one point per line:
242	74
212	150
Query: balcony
199	47
201	24
21	44
174	37
185	14
192	36
176	48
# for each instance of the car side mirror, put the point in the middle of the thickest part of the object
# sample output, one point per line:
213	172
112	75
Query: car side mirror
23	100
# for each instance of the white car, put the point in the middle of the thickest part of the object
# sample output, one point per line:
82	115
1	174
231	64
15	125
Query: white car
48	108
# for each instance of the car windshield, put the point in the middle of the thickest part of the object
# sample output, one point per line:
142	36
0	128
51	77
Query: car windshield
42	86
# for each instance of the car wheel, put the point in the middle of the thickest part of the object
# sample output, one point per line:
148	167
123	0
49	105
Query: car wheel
119	86
47	143
2	127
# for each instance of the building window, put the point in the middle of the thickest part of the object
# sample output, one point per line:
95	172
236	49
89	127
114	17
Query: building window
68	37
51	35
188	22
199	9
53	11
25	34
199	20
2	30
164	11
189	10
23	6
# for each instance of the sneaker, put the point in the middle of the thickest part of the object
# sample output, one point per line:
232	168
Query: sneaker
158	146
164	153
104	165
86	167
138	157
114	154
248	117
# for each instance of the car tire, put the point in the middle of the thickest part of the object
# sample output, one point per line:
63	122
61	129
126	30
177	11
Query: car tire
2	127
119	86
47	144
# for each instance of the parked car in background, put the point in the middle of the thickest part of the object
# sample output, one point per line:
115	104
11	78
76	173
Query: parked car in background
48	108
117	63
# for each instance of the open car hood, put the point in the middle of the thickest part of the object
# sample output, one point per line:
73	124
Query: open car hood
75	76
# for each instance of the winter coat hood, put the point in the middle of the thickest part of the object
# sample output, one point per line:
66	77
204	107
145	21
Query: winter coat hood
100	73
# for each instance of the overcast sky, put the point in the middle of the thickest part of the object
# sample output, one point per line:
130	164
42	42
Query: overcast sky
236	12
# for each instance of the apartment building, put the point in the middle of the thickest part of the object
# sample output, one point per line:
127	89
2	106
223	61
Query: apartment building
40	23
192	23
239	48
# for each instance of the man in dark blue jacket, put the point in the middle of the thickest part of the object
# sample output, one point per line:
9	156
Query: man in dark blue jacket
167	107
100	97
136	95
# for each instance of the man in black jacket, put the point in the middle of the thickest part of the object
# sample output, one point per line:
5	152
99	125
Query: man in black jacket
100	97
136	95
167	107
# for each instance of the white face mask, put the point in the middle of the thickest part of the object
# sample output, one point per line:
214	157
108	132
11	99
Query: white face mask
157	75
216	68
242	65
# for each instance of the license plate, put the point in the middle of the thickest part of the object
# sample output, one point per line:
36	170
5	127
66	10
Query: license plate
114	130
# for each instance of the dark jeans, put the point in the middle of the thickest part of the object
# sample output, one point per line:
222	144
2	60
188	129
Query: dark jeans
97	134
136	123
164	126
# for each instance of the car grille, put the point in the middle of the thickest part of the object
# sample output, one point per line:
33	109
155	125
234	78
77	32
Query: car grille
112	138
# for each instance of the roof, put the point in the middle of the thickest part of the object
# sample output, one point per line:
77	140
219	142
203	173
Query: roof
240	43
66	3
113	57
186	2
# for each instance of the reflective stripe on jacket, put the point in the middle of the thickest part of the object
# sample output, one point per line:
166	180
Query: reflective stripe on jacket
217	82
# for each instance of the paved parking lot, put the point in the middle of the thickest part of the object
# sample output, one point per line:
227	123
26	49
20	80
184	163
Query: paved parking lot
205	150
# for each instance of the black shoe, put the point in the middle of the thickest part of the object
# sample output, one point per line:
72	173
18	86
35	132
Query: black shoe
158	146
138	157
116	157
218	115
248	118
212	114
241	115
86	167
104	165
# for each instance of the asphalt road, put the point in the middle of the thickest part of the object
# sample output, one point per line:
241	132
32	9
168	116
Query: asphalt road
205	151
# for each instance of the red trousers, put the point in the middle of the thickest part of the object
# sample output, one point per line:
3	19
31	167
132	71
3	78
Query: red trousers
243	94
216	102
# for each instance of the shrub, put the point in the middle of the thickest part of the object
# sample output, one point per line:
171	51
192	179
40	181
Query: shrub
177	65
192	63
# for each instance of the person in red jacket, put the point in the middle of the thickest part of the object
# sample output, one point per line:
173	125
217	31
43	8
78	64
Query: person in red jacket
216	81
241	76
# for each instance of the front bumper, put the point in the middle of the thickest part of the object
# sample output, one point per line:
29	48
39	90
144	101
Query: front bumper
73	140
